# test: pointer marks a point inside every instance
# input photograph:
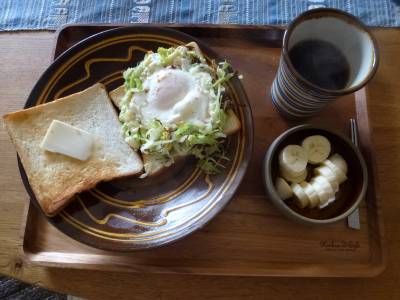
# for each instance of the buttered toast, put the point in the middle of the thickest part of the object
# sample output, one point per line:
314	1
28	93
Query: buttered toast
56	178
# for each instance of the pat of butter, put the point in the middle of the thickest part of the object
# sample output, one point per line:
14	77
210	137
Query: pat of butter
68	140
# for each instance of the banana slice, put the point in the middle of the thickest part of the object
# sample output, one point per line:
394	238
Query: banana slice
294	178
340	176
327	203
293	158
283	188
328	174
339	162
311	194
323	189
318	148
300	196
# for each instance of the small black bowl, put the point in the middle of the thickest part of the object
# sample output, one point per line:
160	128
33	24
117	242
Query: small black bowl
350	193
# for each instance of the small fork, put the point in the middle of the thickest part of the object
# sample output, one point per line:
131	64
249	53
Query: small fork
353	220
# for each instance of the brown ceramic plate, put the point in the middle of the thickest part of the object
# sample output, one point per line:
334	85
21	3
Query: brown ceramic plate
133	213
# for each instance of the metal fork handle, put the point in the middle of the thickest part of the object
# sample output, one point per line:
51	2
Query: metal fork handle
353	220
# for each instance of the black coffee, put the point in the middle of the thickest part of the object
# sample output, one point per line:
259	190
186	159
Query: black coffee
321	63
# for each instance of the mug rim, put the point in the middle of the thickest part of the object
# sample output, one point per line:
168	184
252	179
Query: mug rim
339	14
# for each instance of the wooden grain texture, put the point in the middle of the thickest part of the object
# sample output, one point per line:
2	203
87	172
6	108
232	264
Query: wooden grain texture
25	55
262	242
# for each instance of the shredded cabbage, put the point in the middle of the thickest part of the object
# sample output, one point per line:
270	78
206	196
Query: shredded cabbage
163	143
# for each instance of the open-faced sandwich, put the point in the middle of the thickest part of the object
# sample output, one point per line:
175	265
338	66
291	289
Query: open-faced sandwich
172	106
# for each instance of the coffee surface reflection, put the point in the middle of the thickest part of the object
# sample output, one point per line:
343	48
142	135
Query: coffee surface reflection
321	63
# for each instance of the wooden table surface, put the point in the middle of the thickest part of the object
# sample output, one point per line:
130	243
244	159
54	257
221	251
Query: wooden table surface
25	55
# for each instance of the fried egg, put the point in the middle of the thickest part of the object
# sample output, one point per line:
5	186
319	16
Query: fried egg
174	96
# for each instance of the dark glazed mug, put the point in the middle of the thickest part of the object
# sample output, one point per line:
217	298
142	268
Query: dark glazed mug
296	96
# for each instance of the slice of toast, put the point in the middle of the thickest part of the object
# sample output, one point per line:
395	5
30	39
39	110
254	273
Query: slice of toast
117	95
232	125
56	178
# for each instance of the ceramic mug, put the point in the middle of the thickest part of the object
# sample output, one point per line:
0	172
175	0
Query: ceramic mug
298	93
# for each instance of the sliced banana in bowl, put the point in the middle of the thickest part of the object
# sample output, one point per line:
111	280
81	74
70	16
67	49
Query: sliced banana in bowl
311	193
293	159
317	147
314	175
329	175
339	162
300	196
293	177
340	176
323	188
283	188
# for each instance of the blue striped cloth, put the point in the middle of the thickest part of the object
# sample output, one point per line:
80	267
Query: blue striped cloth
51	14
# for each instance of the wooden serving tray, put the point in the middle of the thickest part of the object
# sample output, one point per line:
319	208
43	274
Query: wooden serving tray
249	237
